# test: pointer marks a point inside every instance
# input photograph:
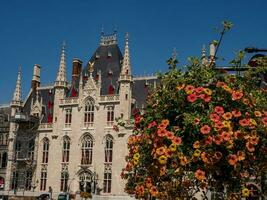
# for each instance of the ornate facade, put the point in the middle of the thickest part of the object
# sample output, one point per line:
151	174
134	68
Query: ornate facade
61	137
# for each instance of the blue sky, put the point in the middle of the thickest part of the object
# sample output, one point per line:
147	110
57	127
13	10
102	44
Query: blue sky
32	31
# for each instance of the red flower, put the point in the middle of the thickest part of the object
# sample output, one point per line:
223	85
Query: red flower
226	135
200	175
250	147
207	98
244	122
161	132
205	129
208	140
152	124
192	97
189	89
169	135
236	95
214	117
219	110
219	125
196	121
232	159
199	89
137	119
218	139
264	120
177	140
236	113
153	191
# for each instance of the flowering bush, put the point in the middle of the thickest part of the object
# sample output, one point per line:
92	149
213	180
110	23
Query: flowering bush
202	131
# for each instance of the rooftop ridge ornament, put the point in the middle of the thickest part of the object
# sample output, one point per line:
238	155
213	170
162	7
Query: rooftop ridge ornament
108	39
91	67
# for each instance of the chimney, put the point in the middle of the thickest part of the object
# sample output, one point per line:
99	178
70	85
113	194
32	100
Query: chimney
76	69
36	77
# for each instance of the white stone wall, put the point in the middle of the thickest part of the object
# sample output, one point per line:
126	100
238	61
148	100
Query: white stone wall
75	132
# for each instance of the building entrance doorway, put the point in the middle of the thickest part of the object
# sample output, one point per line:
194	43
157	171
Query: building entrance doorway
85	182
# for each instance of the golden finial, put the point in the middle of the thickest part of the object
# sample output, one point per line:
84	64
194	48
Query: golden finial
91	67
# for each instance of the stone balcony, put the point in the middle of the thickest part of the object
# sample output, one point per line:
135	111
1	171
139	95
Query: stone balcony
45	127
109	99
68	101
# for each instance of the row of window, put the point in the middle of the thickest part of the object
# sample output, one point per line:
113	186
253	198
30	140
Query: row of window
3	139
86	159
86	150
89	115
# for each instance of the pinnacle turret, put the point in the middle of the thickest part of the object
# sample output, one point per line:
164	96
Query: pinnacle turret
204	59
61	79
17	93
126	64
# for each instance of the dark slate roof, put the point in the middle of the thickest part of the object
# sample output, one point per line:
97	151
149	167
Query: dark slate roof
47	95
108	61
141	87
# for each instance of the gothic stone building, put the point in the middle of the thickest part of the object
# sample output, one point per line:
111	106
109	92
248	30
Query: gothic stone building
61	137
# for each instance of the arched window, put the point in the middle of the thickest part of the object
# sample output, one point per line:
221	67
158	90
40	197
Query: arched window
45	150
66	150
87	150
108	149
4	160
89	113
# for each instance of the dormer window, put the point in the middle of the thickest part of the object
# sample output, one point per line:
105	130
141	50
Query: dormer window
109	54
97	56
110	73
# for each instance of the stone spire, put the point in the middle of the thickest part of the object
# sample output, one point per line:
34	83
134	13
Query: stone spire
17	93
61	79
126	64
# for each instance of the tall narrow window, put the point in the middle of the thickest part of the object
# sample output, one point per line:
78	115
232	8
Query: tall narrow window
68	117
66	150
4	160
1	139
6	139
14	184
43	180
17	149
110	115
107	179
89	114
64	181
108	149
45	150
31	149
28	180
87	150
